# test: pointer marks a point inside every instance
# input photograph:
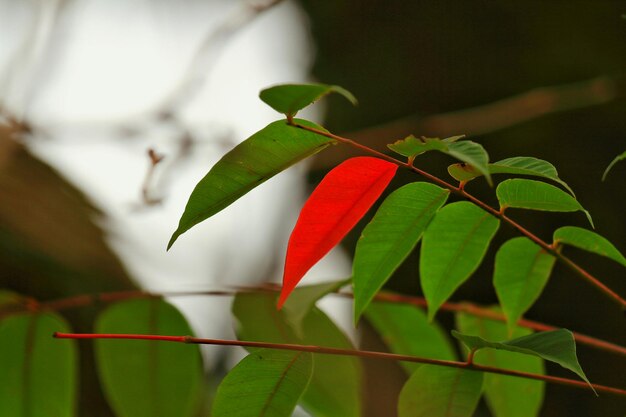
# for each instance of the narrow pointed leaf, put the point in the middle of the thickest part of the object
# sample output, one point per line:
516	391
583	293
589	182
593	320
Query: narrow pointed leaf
391	236
453	246
437	391
263	155
266	383
38	372
291	98
590	241
466	151
556	346
405	330
333	209
618	158
521	272
506	396
519	165
303	299
335	387
536	195
148	378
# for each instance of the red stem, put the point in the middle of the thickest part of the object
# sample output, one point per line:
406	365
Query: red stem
349	352
469	308
498	214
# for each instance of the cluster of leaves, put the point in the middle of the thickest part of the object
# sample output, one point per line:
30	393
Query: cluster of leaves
148	378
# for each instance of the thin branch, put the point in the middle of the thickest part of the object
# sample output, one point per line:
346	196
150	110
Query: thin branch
494	212
349	352
29	304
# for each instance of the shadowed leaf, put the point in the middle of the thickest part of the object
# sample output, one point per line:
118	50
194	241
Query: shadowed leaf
270	381
148	378
437	391
38	372
405	330
506	396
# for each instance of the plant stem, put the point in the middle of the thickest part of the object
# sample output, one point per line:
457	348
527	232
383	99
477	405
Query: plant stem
465	307
348	352
460	191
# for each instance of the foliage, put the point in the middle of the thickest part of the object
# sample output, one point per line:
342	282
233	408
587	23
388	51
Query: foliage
297	354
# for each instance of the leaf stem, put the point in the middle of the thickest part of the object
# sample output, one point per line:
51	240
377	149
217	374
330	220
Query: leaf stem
465	307
498	214
347	352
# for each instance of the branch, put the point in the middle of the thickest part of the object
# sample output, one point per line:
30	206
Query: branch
90	299
350	352
494	212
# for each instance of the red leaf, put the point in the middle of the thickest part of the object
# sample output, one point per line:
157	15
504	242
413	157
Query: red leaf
334	208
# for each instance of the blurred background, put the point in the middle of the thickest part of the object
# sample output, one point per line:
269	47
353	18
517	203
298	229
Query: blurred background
87	88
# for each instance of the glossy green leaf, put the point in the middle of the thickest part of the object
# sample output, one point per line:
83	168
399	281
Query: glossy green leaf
587	240
291	98
266	383
405	330
453	246
536	195
466	151
303	299
521	272
506	396
519	165
39	373
334	390
437	391
263	155
556	346
618	158
148	378
391	236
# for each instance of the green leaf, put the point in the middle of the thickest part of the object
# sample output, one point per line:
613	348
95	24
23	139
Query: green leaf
405	330
334	390
9	297
263	155
391	236
521	272
466	151
506	396
536	195
453	246
148	378
618	158
303	299
291	98
556	346
38	372
266	383
590	241
437	391
519	165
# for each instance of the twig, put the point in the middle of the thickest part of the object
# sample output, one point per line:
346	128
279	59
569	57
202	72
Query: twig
494	212
349	352
468	308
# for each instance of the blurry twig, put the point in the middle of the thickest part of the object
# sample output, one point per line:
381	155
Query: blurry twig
487	118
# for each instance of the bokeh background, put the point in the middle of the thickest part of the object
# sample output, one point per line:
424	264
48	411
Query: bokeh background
526	78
